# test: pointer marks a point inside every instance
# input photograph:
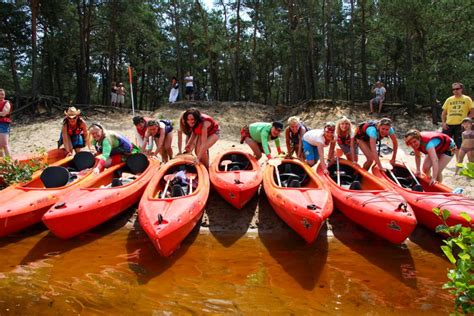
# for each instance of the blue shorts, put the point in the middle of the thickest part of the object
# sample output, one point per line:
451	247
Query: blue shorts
346	149
76	140
4	128
310	151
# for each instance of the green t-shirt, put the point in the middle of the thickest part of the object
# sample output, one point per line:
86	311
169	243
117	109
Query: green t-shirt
260	132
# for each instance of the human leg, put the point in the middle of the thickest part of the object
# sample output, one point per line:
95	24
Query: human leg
426	167
167	147
364	146
380	105
371	103
203	148
442	163
254	146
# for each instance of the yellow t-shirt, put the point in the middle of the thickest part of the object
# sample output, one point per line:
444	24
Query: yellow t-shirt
457	109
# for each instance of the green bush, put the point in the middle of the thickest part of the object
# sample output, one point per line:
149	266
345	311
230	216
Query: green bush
13	171
459	249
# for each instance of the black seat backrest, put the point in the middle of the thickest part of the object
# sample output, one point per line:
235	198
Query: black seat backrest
55	177
83	160
116	182
177	190
417	188
137	163
355	185
233	157
234	168
294	183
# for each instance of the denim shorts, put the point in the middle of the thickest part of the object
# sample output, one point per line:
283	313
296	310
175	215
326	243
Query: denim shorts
311	152
4	128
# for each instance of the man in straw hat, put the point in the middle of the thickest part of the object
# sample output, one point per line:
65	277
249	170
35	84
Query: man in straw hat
74	135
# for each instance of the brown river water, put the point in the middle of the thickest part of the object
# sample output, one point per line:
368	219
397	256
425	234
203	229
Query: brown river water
114	269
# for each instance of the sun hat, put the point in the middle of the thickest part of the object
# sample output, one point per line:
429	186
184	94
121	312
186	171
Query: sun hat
72	112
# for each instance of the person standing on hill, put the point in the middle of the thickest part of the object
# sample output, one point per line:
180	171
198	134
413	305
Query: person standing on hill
174	91
113	94
455	109
5	120
120	95
189	86
379	91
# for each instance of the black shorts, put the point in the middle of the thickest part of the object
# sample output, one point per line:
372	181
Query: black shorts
455	132
189	90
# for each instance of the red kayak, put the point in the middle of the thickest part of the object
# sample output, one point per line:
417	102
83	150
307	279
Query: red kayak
366	200
108	194
25	204
301	199
236	176
50	157
174	202
424	198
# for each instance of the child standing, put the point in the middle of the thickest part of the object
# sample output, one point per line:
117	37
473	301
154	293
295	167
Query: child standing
467	145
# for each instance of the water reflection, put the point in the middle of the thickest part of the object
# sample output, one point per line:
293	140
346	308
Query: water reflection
375	249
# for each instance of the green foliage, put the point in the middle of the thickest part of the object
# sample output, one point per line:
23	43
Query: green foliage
14	171
459	249
468	171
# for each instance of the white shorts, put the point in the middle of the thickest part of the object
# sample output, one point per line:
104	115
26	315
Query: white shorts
120	99
114	97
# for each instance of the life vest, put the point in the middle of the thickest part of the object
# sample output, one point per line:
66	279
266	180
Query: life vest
212	129
6	118
361	130
143	131
443	146
122	144
344	140
295	137
168	128
76	131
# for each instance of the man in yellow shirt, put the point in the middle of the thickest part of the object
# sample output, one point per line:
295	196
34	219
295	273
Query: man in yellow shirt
455	109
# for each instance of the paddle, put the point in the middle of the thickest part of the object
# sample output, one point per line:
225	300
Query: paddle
225	163
411	172
339	153
275	163
191	177
394	177
168	179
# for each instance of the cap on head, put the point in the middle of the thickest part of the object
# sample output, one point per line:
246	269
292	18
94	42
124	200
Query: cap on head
277	125
467	119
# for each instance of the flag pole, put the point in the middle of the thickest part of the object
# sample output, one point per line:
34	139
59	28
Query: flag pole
131	88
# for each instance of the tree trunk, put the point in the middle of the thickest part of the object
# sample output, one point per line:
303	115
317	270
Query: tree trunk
236	68
34	71
352	55
363	57
84	11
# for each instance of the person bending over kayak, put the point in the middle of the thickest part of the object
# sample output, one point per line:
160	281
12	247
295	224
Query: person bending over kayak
345	139
140	123
439	149
113	146
205	132
369	134
314	142
161	132
183	129
73	132
257	135
294	137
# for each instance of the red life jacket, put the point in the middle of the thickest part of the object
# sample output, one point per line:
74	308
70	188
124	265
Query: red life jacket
6	118
360	132
143	131
443	146
344	140
76	131
212	129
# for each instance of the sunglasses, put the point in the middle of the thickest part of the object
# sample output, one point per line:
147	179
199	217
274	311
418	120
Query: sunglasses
457	89
330	128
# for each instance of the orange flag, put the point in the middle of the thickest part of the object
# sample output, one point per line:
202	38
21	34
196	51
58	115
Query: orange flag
130	74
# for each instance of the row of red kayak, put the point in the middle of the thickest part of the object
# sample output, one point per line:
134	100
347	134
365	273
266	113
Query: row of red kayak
70	199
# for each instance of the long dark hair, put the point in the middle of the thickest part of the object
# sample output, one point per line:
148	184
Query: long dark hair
197	117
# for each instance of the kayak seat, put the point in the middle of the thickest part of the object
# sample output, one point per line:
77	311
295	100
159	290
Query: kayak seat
83	160
404	182
355	185
137	163
235	168
417	188
345	179
177	190
55	177
294	183
116	182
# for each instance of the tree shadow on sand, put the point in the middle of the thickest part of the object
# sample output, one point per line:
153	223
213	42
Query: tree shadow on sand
50	245
145	261
226	223
393	259
303	262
